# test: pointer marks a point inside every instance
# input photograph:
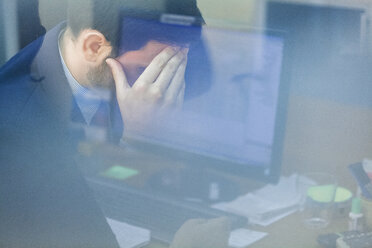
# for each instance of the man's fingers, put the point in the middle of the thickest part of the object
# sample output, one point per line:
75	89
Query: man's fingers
180	97
152	71
168	73
177	82
121	82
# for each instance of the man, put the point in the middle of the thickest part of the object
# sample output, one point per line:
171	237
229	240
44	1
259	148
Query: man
149	74
158	88
44	199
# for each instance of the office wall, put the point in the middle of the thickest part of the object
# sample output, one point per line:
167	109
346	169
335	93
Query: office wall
2	38
323	135
331	106
233	12
330	112
8	30
53	12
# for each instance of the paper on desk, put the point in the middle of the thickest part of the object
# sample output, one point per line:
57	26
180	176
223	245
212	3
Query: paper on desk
266	205
129	236
367	166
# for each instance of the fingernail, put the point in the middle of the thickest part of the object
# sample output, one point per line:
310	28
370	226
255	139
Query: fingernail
174	49
185	50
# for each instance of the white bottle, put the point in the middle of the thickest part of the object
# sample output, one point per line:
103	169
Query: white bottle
356	216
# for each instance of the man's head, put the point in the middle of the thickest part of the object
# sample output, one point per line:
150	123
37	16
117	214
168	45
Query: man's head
93	35
143	36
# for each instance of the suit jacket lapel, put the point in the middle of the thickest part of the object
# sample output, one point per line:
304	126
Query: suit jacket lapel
47	68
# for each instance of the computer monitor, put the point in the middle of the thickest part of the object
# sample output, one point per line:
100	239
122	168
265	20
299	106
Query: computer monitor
234	113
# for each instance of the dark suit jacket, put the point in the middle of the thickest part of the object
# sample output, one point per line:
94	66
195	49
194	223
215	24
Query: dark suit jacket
44	200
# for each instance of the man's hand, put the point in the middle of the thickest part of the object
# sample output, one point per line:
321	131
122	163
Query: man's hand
158	90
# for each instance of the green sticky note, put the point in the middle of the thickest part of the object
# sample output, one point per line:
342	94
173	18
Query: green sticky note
120	172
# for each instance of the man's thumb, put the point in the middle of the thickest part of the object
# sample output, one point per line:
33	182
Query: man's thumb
121	82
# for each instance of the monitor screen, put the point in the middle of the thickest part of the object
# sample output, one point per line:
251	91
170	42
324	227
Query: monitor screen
235	100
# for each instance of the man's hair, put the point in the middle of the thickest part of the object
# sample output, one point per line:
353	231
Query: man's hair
103	16
136	32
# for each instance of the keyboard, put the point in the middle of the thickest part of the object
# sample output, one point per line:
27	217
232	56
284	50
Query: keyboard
355	239
162	215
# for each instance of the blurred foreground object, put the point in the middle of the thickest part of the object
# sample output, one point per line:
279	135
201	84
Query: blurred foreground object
196	233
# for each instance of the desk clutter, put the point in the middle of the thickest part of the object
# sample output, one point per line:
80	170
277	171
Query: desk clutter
359	234
266	205
362	173
129	236
349	239
271	203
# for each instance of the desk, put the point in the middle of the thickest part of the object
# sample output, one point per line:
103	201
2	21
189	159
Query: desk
287	233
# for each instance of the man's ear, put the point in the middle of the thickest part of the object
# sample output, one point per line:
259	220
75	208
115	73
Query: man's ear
95	46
